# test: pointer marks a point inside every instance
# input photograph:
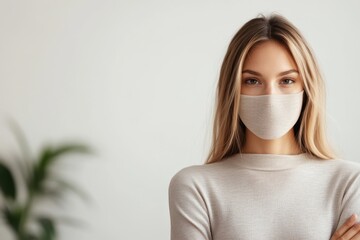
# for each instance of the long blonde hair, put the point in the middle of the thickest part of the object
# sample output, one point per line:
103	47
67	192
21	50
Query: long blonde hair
228	134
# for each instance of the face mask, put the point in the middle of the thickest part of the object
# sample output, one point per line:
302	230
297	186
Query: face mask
270	116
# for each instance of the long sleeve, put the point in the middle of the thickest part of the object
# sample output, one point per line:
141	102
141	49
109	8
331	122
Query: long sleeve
264	196
188	211
351	200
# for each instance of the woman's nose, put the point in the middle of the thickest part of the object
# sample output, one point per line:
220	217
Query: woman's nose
270	89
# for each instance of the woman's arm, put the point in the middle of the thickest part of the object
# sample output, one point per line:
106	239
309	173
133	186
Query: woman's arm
188	212
347	227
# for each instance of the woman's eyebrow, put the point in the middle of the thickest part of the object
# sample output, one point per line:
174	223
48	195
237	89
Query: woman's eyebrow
280	74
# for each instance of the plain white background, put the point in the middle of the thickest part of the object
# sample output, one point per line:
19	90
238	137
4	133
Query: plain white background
136	80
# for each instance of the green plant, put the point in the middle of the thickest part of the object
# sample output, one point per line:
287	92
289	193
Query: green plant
36	174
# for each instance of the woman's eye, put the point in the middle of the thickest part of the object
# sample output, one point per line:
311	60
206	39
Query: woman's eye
251	81
287	81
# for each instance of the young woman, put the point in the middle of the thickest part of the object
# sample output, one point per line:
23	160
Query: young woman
271	173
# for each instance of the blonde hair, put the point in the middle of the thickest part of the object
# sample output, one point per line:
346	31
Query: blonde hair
228	134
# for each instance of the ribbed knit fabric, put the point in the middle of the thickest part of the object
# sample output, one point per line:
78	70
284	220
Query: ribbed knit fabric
281	112
263	196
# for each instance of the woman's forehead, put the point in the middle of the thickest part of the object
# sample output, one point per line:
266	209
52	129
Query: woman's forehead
269	56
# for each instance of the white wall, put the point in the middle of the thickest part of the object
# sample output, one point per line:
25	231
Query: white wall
136	79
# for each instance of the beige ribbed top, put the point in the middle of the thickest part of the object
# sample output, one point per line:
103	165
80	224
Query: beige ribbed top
263	196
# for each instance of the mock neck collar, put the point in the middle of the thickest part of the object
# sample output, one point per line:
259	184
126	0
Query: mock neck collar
269	161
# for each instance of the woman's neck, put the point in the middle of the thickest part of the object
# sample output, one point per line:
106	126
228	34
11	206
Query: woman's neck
285	145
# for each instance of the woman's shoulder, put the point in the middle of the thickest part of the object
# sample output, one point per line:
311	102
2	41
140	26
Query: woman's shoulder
189	173
197	174
340	166
344	163
185	179
349	166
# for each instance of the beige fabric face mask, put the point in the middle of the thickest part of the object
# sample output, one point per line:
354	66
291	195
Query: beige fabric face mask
270	116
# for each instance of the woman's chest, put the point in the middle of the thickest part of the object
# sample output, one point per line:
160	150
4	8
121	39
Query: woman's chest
273	208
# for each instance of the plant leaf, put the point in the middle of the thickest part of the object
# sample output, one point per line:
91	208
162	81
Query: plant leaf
31	236
48	156
23	143
64	185
66	220
7	183
48	228
12	216
72	222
